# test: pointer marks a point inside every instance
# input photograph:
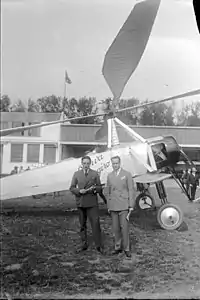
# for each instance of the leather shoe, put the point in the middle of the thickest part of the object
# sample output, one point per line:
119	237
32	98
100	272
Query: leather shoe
83	248
100	250
128	254
115	252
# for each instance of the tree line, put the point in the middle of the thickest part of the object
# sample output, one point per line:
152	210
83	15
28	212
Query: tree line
158	114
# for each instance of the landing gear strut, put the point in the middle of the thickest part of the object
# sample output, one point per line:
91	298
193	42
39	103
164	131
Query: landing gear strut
169	216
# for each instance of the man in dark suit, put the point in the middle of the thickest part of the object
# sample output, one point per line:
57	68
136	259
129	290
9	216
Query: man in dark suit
193	180
85	185
120	203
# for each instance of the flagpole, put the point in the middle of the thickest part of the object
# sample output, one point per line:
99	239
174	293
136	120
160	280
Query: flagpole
67	81
65	88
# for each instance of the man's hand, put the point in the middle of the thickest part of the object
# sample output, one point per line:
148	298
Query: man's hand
130	209
82	191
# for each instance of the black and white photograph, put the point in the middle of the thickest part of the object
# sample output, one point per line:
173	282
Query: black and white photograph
100	149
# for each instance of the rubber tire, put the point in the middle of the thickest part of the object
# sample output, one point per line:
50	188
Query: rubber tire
160	210
140	196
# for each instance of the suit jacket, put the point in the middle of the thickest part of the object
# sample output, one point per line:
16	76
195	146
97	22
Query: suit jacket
194	180
80	181
120	191
185	178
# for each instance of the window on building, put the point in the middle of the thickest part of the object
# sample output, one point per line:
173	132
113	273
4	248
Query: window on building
4	125
17	152
49	154
33	153
34	131
1	157
18	124
193	154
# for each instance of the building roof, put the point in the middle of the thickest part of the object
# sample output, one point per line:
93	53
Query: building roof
86	133
29	117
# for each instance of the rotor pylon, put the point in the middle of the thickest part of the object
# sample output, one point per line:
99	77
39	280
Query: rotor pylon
113	139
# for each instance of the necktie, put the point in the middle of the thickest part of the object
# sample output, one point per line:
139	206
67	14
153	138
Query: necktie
86	173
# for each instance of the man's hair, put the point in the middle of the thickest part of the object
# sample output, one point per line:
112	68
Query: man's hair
86	157
116	157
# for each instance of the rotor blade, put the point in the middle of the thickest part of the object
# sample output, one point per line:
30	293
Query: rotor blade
4	132
192	93
124	54
197	13
8	131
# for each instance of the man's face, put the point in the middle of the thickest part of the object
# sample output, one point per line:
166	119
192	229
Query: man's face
115	164
86	164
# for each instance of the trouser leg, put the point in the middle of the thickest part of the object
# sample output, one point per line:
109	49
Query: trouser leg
93	215
193	192
116	229
190	191
124	224
83	224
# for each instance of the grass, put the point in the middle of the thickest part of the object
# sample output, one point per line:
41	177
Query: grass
39	258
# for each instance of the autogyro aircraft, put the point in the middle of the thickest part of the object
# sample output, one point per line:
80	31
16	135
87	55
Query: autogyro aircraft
144	158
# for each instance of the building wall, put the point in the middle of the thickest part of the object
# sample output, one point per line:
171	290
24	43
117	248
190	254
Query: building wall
81	133
29	117
66	151
73	140
7	165
49	135
18	119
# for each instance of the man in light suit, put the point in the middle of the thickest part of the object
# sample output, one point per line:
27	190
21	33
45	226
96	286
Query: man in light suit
85	185
120	202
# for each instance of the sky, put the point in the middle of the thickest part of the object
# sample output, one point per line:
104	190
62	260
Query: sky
43	38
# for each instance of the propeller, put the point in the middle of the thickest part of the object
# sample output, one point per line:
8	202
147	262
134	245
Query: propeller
4	132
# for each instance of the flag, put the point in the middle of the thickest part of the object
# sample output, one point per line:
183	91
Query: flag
67	79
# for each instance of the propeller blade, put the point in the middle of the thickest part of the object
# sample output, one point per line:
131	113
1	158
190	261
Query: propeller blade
192	93
125	53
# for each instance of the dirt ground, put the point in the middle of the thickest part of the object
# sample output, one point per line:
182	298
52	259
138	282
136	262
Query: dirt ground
39	259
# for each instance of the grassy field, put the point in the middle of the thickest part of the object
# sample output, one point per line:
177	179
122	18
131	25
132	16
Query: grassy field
39	258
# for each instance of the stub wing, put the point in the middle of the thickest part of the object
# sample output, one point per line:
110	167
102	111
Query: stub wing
57	177
48	179
152	177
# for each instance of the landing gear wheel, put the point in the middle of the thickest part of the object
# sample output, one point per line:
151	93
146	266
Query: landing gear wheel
169	216
144	201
